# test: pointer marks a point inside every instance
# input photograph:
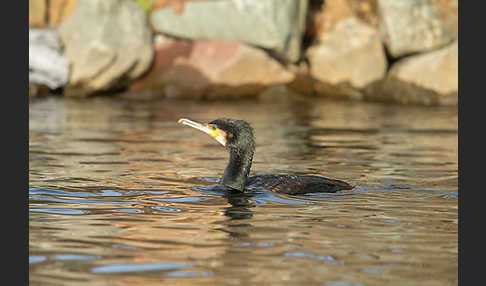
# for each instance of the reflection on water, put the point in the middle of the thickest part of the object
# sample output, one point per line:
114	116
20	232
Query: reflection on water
121	194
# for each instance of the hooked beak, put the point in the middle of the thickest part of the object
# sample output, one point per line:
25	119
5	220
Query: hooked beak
210	129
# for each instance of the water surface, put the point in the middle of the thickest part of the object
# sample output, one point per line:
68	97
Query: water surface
119	194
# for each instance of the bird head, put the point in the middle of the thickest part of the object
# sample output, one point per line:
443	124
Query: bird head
231	133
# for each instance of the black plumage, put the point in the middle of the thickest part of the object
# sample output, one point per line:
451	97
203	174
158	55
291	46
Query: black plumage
294	185
237	136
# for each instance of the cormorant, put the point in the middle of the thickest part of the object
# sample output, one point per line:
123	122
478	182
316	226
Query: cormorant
237	137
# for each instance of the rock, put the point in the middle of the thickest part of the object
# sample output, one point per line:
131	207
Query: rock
302	83
38	90
37	13
108	44
429	78
277	25
323	16
44	13
47	64
366	11
33	90
417	25
332	12
59	10
349	61
166	51
211	69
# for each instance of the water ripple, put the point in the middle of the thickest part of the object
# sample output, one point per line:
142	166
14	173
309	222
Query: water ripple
65	211
118	190
139	267
327	258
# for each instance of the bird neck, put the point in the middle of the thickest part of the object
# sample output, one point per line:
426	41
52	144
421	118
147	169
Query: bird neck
236	172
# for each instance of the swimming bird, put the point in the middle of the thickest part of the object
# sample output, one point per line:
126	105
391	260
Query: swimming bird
238	139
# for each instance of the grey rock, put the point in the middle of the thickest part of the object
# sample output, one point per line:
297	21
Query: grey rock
348	61
47	63
276	25
108	44
417	25
426	79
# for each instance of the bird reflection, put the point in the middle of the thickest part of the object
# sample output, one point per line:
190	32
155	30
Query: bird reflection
240	209
240	205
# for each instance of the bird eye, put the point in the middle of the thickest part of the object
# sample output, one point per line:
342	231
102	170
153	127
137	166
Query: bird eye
214	127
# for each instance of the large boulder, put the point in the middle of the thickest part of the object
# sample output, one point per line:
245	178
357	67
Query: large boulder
210	69
277	25
47	64
108	44
428	79
417	25
349	61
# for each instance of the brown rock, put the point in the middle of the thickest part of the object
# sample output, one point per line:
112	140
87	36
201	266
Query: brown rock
429	79
166	51
333	12
36	90
366	11
348	61
59	10
303	83
37	13
322	20
210	69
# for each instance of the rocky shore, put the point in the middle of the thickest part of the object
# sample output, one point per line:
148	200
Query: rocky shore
381	50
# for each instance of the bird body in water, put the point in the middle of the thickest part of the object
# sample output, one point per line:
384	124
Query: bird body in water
237	137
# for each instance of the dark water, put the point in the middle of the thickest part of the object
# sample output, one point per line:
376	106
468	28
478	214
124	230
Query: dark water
119	195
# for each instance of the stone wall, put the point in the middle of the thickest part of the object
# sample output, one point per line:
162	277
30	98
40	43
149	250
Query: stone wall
382	50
